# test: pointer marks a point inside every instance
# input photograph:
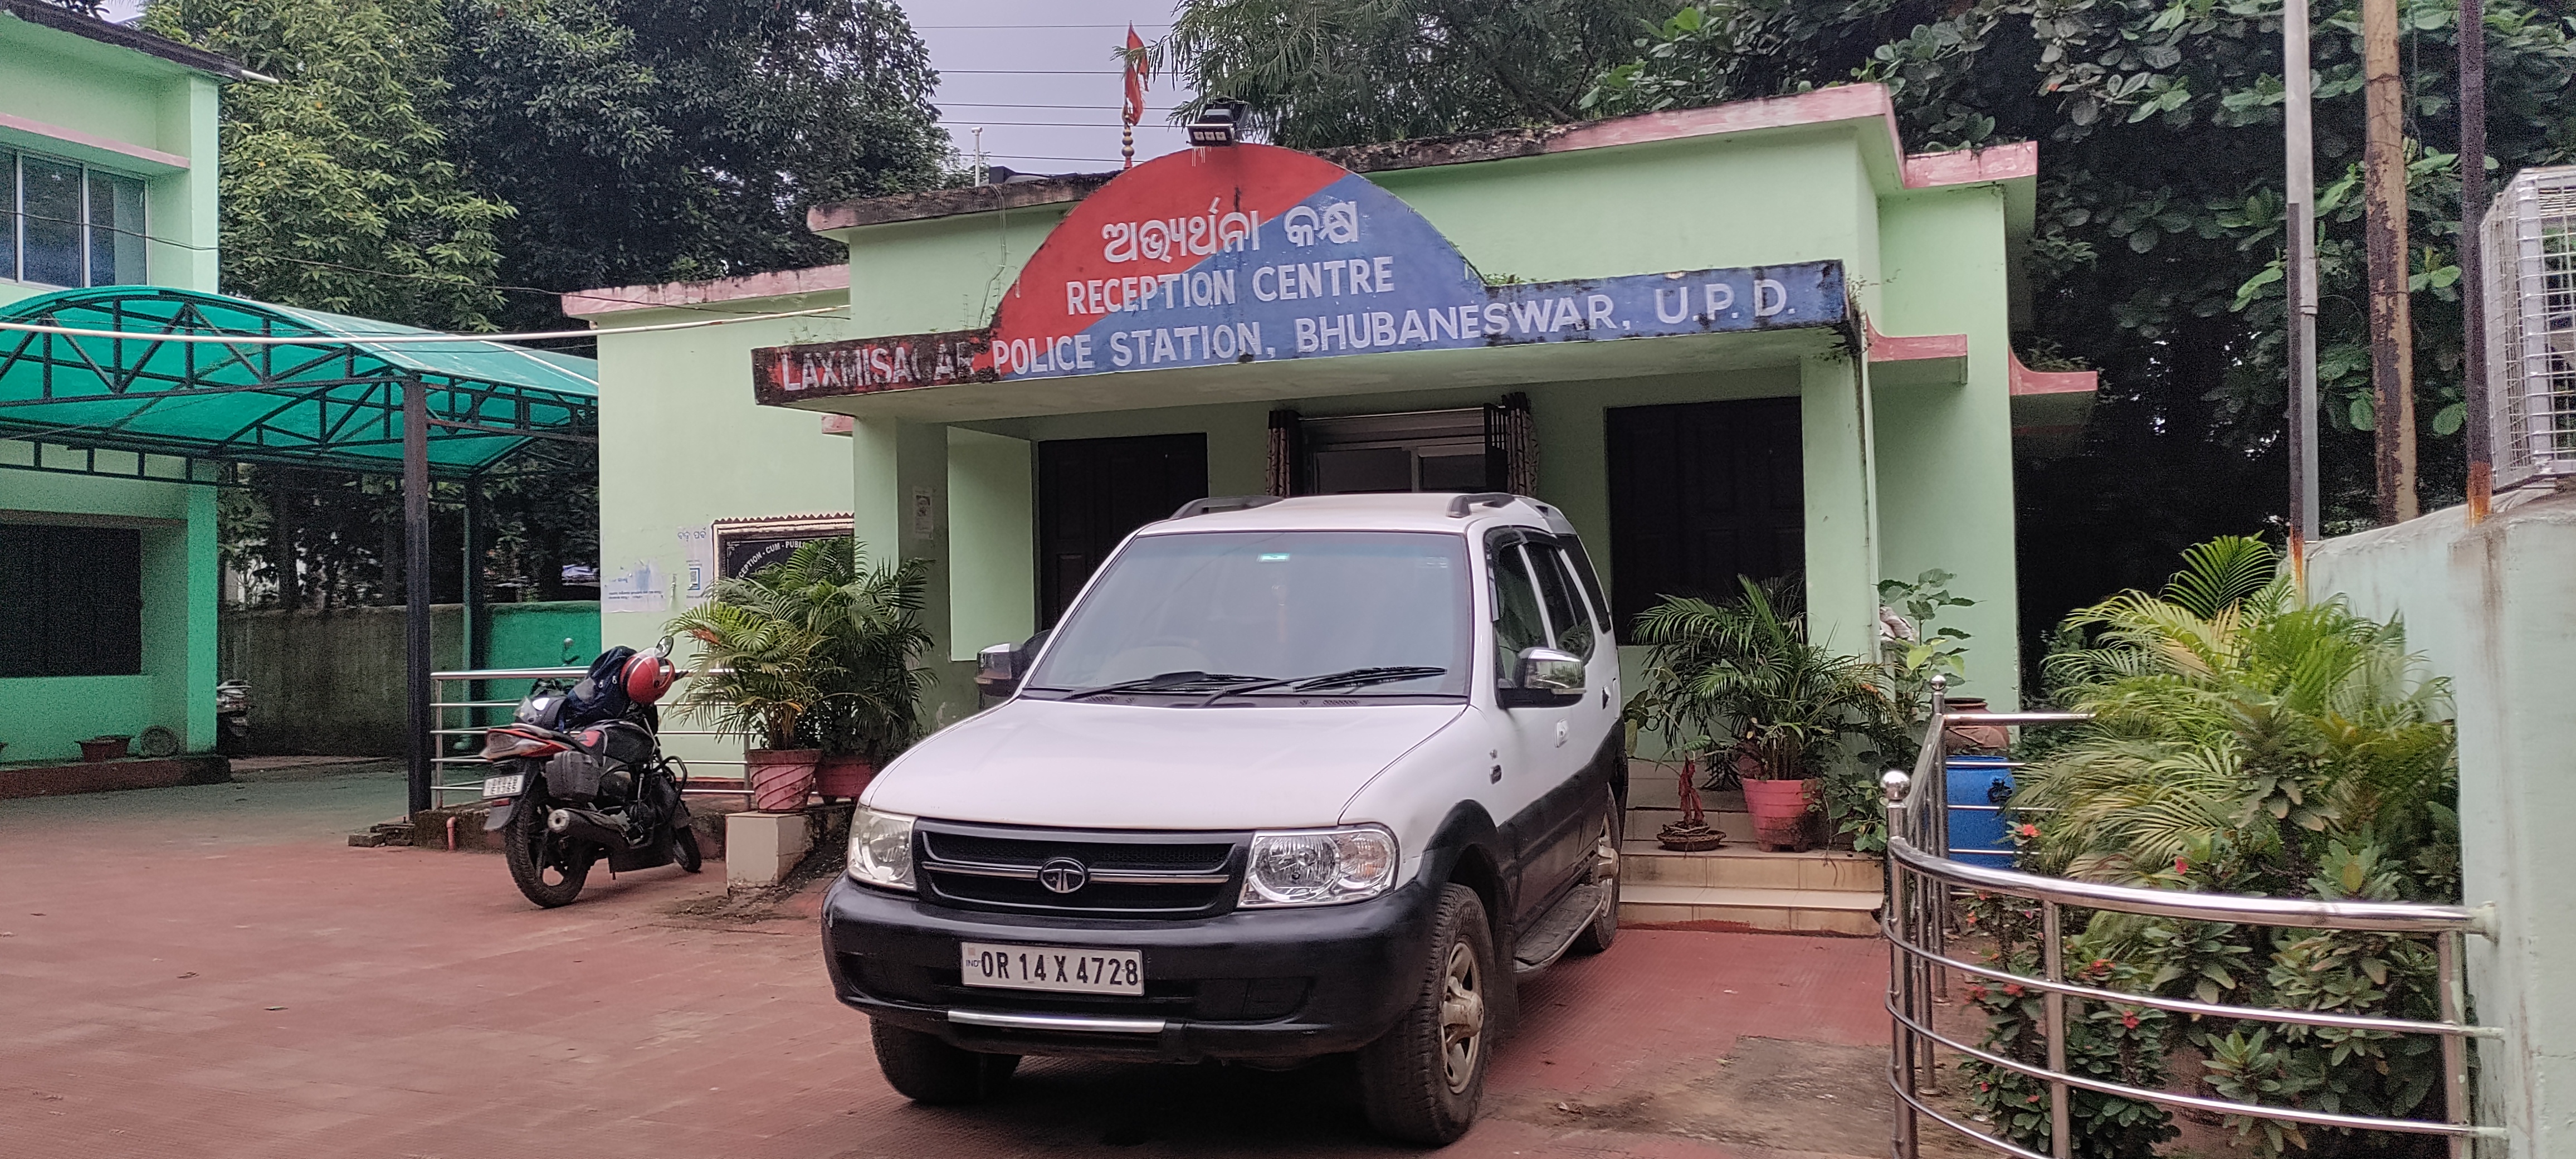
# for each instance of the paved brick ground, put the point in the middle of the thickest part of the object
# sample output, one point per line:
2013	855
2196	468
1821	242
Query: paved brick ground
208	972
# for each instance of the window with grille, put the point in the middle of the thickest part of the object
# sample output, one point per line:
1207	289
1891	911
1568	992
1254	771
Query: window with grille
71	600
68	224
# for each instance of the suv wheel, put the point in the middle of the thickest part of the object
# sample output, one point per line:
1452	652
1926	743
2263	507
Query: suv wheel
924	1068
1420	1083
1605	871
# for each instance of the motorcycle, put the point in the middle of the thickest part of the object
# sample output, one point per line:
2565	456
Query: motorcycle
578	776
232	717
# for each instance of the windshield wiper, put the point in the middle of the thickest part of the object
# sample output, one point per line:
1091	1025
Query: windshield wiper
1166	682
1348	678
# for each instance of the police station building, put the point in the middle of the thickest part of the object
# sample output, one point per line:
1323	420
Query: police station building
1757	339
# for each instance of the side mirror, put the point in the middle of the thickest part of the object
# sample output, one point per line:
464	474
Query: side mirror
997	670
1546	675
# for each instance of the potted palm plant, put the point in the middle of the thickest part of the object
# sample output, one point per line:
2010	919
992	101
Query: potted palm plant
759	674
813	657
1740	683
869	612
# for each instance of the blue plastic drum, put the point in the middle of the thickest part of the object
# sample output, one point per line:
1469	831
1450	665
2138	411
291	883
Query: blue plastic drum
1978	788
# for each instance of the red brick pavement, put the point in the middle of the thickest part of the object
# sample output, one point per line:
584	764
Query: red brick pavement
174	986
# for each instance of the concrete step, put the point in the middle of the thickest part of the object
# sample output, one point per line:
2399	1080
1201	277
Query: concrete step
1643	862
1806	911
1644	823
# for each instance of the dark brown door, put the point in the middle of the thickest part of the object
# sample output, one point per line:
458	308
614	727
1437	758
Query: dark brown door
1701	493
1092	492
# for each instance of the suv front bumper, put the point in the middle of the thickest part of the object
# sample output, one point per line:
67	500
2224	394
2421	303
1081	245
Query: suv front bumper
1273	985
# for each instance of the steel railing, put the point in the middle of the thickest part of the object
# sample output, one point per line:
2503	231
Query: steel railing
470	726
1921	879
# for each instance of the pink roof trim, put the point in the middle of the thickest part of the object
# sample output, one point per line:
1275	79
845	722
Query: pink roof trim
1914	348
1840	103
2026	381
774	284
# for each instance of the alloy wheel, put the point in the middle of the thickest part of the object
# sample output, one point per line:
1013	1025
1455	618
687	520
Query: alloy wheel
1462	1016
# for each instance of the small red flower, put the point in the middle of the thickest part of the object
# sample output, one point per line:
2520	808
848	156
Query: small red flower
2033	1098
2012	989
1976	993
2030	831
2181	866
2129	1020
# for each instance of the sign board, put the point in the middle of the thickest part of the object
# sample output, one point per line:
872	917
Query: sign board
1254	253
744	546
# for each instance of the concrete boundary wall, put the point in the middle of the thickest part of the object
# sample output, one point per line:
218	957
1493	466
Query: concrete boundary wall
332	682
2494	609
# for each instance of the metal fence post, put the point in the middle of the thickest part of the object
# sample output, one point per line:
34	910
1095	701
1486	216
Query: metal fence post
2060	1129
2455	1048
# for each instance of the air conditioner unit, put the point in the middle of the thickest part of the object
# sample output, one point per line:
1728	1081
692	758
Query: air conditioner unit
2531	327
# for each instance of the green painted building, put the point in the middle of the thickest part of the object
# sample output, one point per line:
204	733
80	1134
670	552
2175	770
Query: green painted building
1759	339
107	149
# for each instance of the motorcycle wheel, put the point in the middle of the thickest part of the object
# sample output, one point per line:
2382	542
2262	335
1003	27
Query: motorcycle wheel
548	869
684	851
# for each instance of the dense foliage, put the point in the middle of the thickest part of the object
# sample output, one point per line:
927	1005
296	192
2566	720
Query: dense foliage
647	142
2245	740
455	165
339	191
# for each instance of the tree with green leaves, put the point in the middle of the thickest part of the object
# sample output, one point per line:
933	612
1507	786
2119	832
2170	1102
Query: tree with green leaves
647	142
338	190
1313	73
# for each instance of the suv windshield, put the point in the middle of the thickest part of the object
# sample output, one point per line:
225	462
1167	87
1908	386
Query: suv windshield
1276	613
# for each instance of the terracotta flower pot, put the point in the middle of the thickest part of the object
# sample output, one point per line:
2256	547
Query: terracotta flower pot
780	778
844	776
1975	737
1779	810
105	748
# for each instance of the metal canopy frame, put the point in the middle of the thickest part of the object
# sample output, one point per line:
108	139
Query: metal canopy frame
140	405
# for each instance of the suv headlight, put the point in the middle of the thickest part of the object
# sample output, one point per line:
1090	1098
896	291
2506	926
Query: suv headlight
881	849
1319	866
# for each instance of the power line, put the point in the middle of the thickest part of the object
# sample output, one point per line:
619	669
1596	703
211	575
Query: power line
1030	72
396	339
1008	27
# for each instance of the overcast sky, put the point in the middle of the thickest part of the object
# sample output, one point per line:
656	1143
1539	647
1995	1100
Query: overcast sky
1035	75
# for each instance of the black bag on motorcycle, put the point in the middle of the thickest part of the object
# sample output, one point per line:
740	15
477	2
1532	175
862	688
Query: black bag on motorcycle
580	776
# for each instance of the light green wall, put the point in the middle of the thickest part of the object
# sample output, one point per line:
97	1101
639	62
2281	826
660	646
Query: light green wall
1944	253
41	718
992	509
127	99
114	101
2492	609
681	445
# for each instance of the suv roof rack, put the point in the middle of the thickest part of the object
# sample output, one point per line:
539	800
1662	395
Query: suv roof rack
1223	503
1462	506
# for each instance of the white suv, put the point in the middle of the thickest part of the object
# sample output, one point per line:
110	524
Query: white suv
1292	778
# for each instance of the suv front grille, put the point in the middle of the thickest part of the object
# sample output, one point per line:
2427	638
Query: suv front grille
1136	875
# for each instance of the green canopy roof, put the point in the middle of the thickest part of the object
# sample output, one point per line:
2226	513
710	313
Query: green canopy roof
333	401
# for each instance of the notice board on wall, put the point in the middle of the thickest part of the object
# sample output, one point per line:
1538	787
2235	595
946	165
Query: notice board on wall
743	546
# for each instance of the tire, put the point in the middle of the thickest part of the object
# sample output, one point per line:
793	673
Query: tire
1420	1082
924	1068
534	853
684	850
1604	930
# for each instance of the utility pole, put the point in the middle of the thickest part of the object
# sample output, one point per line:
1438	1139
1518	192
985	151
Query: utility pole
2473	271
2302	283
2392	342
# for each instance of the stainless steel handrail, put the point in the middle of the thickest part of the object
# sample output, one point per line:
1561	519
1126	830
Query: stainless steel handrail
1921	876
440	705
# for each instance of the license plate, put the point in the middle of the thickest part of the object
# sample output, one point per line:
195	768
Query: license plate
503	786
1063	969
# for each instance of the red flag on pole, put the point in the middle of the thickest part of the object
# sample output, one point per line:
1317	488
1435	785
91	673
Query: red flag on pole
1135	108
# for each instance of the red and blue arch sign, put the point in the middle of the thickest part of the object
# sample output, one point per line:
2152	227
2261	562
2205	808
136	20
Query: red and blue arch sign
1260	254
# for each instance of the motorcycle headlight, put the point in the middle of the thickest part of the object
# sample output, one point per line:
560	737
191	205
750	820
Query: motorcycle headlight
881	849
1319	866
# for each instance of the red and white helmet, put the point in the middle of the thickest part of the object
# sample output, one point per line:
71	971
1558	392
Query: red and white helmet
648	676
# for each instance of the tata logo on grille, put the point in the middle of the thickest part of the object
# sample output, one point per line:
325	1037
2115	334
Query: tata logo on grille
1063	875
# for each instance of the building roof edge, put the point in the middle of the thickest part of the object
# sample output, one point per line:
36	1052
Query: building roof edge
128	37
683	295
